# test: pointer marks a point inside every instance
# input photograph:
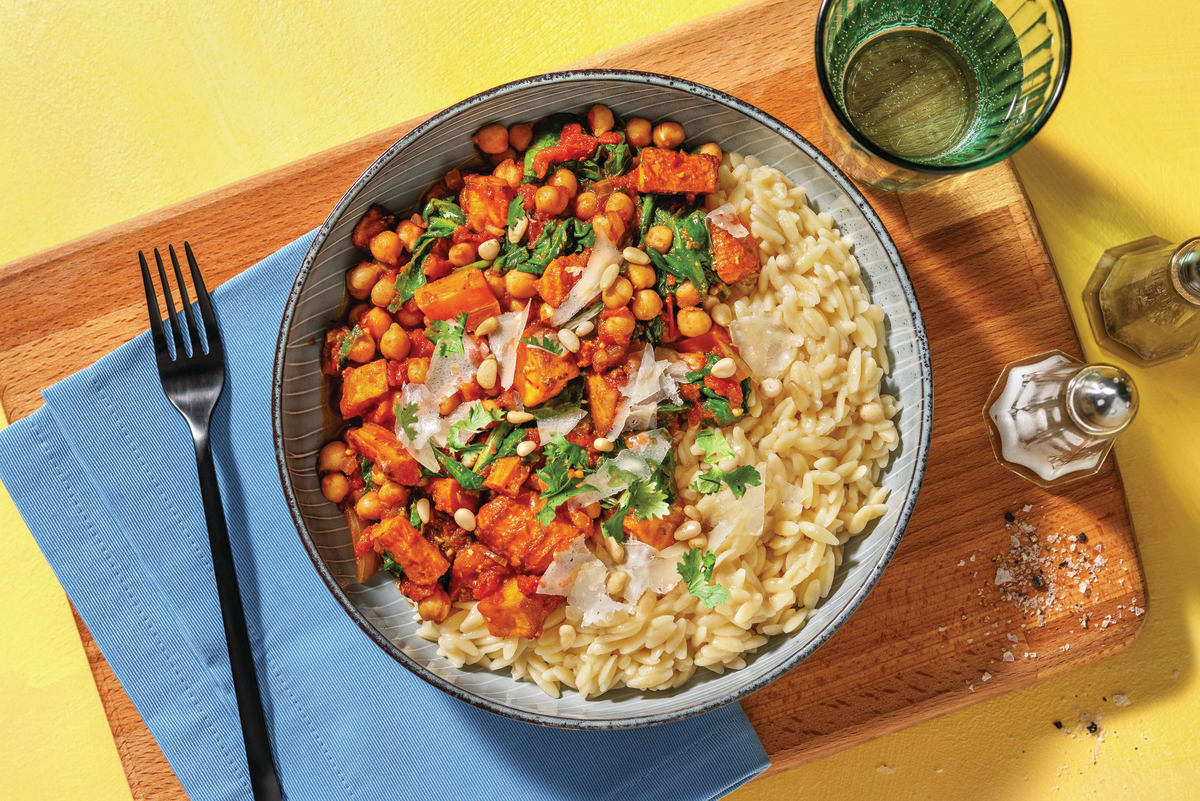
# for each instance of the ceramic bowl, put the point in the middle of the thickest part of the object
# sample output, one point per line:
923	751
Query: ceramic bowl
304	421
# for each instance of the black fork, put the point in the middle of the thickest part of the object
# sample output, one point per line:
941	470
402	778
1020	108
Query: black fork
192	378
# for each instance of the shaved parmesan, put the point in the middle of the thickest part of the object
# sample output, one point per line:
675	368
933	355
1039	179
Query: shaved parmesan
727	515
504	342
588	285
559	424
766	345
648	570
581	577
726	218
614	475
446	374
427	424
642	393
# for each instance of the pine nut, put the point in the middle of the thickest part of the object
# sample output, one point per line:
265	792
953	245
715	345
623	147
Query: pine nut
617	581
487	372
609	277
699	541
566	635
635	256
771	387
423	510
488	326
569	340
686	531
691	512
525	448
615	550
602	444
516	418
725	368
465	519
722	314
489	250
468	460
585	328
518	231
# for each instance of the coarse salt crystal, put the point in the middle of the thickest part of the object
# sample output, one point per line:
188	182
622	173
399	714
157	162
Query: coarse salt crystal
1120	699
1003	575
986	676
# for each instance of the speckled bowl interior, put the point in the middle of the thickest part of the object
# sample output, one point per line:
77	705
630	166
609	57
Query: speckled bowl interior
304	421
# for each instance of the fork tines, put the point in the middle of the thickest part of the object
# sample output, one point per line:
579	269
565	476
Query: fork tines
190	340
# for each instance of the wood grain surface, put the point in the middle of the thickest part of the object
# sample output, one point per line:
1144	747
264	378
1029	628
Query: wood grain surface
938	632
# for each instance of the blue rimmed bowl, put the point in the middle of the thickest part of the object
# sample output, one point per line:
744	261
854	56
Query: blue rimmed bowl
304	421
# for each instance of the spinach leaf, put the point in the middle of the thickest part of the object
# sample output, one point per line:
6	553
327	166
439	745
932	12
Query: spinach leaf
441	208
650	330
690	258
583	234
545	134
646	219
550	245
512	255
391	565
466	479
413	277
516	211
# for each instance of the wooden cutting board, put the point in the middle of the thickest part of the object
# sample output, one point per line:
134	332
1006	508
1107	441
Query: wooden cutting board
938	633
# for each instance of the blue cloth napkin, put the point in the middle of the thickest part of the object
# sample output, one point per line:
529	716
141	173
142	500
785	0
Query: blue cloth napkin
104	476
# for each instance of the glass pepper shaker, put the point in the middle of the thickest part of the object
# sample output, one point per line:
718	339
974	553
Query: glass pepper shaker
1052	419
1143	299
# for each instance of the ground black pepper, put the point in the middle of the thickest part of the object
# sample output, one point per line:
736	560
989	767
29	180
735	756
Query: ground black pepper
1058	724
1082	537
1039	583
1009	518
1092	727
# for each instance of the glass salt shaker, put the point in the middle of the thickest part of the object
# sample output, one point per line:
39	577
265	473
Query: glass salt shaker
1143	299
1052	419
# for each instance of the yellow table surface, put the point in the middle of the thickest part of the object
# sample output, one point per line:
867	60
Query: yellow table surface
113	109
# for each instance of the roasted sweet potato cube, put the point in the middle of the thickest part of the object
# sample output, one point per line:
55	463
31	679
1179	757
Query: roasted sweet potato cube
604	397
672	172
485	200
432	601
507	475
449	496
540	374
560	276
376	220
379	445
657	532
383	412
421	560
516	609
460	291
362	387
734	258
510	528
476	572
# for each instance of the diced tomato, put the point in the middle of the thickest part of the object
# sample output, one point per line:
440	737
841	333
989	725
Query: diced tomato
728	387
397	373
419	345
484	199
609	138
527	192
573	144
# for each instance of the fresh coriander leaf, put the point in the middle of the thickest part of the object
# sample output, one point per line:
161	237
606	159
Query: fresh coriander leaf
583	234
696	568
614	526
365	471
720	409
516	211
583	316
440	208
347	343
545	343
447	335
714	445
647	499
391	565
560	486
738	479
478	418
465	478
406	416
560	449
413	517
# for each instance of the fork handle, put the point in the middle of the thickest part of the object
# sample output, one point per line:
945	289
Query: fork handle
264	780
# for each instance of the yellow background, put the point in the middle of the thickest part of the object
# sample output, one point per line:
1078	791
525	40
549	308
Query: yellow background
115	108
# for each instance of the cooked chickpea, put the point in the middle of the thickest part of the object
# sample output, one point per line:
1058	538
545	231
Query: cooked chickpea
686	295
565	179
520	135
668	134
369	507
642	276
618	294
610	226
712	149
418	369
495	282
619	327
491	138
520	285
408	231
637	132
600	119
435	608
510	172
462	254
384	290
693	322
507	154
362	349
394	344
335	457
660	238
334	487
385	247
410	315
585	205
377	321
622	204
392	494
361	279
647	304
550	200
357	311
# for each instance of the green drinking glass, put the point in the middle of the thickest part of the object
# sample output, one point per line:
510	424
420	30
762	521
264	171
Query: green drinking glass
918	90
